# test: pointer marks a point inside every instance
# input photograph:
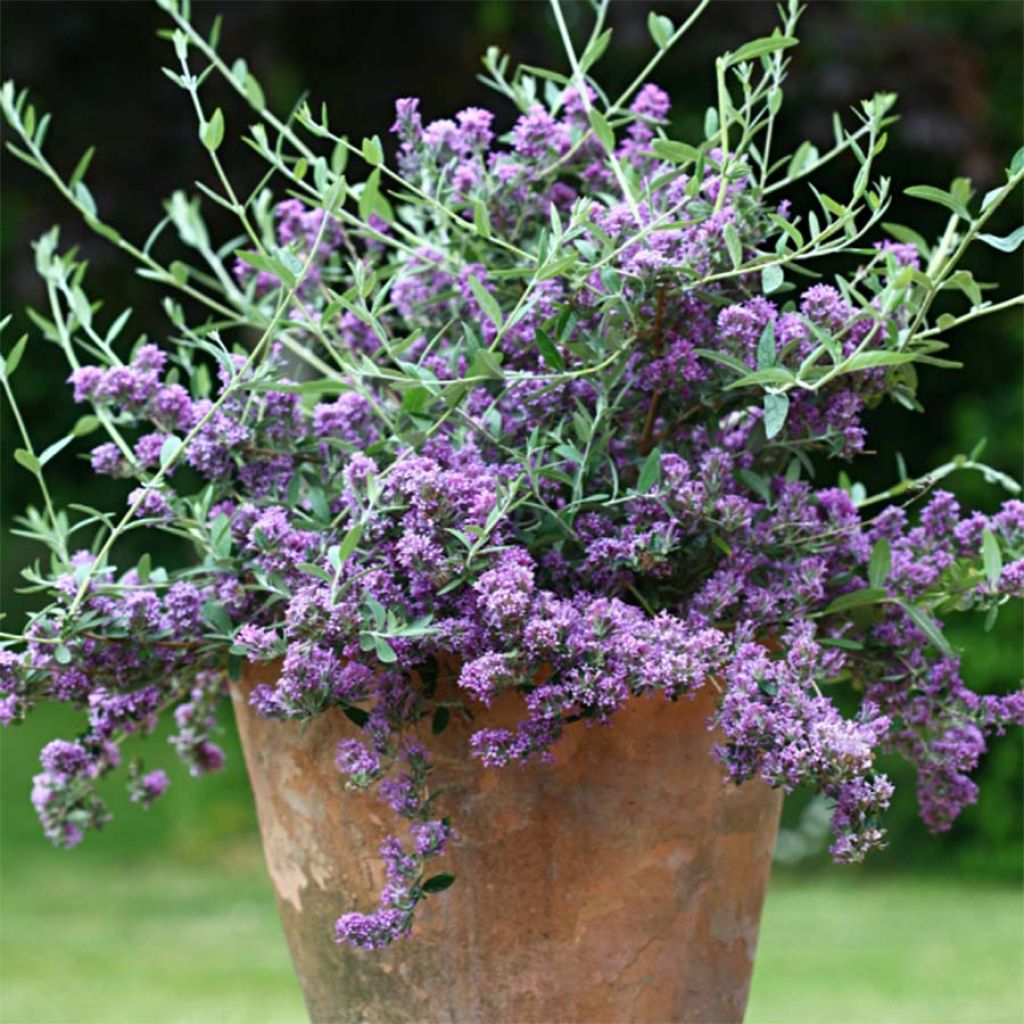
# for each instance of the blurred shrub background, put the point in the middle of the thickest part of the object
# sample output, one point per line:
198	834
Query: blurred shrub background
955	65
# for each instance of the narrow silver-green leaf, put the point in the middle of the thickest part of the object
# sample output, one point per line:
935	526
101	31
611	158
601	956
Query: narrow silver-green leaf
488	303
1008	243
169	450
991	557
879	563
661	29
54	449
856	599
13	358
212	133
650	472
674	152
349	542
925	621
760	47
936	195
373	151
772	278
733	244
26	459
603	130
776	409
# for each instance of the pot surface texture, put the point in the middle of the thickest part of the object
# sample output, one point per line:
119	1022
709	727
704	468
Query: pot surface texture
622	883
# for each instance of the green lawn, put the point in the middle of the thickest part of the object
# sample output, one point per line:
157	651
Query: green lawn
85	940
899	951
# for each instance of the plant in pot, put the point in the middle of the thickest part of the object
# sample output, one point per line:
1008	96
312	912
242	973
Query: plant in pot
518	452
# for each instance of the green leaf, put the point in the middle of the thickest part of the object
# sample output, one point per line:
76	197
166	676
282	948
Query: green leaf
991	556
1009	243
488	303
925	621
373	151
595	51
267	265
486	364
85	425
216	614
481	218
724	359
311	569
661	29
879	562
907	235
27	460
356	715
806	154
776	409
439	722
349	542
254	93
759	47
80	306
169	450
10	363
841	642
772	278
964	281
220	536
1017	163
674	152
549	351
385	652
650	472
54	449
318	504
936	195
212	133
81	168
602	130
557	267
766	347
710	123
990	618
756	483
870	360
372	200
438	883
769	375
856	599
733	244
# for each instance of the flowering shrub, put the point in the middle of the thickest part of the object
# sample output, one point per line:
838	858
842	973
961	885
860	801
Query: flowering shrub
552	407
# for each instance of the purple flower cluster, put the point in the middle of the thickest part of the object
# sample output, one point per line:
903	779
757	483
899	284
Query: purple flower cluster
406	883
538	472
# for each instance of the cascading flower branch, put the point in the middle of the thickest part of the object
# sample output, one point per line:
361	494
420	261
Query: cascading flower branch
544	412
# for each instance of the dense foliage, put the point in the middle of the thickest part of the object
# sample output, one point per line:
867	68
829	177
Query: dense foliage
533	413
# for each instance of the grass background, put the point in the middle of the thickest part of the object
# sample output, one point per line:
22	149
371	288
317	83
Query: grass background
158	941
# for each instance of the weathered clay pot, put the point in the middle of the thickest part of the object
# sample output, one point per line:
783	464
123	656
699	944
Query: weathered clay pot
622	883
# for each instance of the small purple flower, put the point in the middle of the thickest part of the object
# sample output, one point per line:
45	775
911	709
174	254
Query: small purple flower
354	759
150	787
152	503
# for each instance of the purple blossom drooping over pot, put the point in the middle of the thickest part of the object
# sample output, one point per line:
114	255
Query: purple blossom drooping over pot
548	408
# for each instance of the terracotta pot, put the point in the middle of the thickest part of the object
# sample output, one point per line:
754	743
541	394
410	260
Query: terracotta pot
622	883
